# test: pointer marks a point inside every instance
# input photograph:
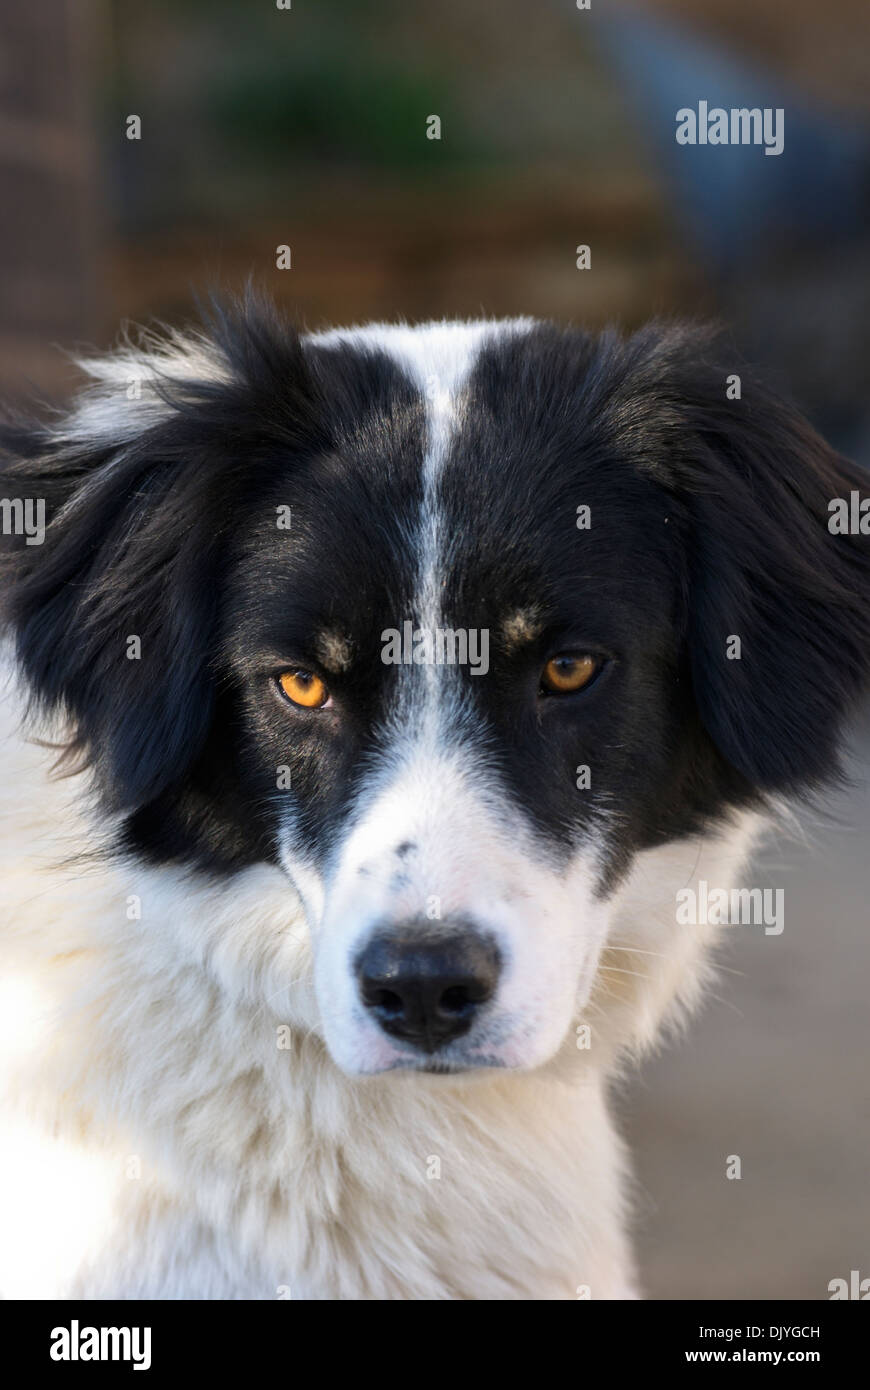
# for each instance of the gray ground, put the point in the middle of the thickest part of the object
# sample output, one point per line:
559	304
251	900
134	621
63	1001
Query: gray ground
776	1070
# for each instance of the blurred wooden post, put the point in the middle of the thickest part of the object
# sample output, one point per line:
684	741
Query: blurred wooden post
48	214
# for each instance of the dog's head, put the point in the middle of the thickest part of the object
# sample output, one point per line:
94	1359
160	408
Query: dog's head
448	623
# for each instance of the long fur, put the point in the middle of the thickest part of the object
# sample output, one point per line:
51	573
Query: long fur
176	1124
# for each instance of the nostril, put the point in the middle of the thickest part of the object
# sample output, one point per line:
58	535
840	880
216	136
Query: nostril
385	1000
458	999
454	1000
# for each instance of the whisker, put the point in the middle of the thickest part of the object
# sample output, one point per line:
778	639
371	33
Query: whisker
617	970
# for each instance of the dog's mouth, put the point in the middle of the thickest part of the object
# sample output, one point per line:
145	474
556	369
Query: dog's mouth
457	1068
422	1065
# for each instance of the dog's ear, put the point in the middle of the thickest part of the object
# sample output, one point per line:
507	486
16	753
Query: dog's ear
114	612
778	590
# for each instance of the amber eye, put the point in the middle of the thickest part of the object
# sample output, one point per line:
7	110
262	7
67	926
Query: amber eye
303	688
563	674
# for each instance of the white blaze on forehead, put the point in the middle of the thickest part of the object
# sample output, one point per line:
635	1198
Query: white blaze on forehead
438	358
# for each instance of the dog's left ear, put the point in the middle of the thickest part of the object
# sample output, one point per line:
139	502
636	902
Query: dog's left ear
778	580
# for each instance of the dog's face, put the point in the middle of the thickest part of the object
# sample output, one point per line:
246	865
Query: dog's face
441	622
452	811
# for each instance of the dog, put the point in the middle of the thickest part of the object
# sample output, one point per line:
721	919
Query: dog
371	698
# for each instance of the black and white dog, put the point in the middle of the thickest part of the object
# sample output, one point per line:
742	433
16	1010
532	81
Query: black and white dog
403	677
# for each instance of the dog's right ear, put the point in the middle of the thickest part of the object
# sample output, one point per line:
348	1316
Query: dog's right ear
113	608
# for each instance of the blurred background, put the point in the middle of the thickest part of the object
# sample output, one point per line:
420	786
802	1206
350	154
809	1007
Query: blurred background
306	127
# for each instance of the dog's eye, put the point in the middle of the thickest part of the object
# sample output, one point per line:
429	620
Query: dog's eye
303	688
564	674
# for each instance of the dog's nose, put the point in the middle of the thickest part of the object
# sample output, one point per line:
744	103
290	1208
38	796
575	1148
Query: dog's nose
426	989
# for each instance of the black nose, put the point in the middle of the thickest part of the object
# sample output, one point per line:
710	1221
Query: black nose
426	988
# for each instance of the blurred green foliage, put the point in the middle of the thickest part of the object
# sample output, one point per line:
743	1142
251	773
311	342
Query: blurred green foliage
334	108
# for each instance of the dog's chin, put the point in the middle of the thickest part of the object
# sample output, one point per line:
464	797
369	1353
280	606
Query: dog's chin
431	1071
441	1066
380	1057
364	1063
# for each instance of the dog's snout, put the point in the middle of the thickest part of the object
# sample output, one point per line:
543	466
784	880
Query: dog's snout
426	989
